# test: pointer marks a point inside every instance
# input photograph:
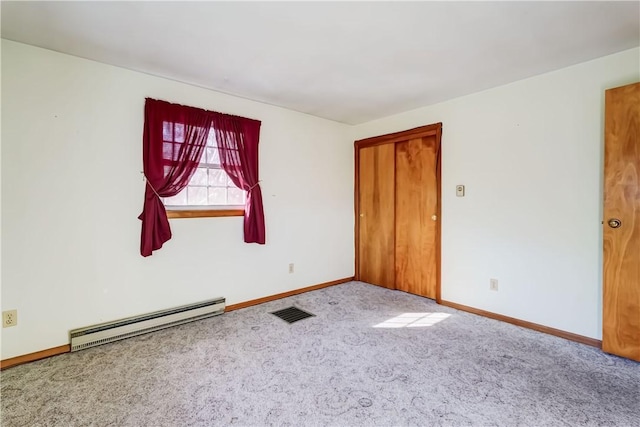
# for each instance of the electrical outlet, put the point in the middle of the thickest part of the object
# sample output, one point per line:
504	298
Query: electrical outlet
9	318
290	268
493	284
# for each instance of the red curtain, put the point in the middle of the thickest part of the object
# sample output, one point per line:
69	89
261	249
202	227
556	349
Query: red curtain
173	141
237	140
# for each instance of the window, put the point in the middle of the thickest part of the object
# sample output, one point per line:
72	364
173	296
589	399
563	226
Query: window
210	191
176	145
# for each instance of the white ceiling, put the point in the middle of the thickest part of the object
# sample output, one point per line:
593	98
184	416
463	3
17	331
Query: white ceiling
347	61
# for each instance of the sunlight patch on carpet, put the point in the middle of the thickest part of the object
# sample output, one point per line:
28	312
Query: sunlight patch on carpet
413	320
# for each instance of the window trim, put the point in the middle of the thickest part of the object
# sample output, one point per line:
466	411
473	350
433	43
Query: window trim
203	213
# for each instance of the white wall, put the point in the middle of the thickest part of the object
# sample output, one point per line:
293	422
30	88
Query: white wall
530	156
72	191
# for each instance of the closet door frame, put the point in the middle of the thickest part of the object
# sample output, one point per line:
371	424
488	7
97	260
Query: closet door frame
393	138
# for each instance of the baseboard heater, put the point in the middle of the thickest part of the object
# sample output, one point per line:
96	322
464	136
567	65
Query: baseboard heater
103	333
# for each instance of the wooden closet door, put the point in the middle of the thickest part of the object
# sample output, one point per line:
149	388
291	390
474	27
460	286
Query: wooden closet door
621	293
416	216
376	216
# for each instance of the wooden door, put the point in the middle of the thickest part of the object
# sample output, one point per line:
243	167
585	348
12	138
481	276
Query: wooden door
397	196
376	221
621	293
417	216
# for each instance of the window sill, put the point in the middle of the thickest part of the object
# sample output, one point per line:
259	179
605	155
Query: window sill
204	213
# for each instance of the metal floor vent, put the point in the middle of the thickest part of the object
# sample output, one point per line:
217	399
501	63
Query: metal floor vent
292	314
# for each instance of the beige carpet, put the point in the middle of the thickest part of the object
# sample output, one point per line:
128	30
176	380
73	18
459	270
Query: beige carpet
370	357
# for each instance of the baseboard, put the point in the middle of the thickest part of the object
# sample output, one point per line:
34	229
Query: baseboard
31	357
286	294
529	325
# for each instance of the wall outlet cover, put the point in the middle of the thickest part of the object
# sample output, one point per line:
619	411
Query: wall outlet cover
9	318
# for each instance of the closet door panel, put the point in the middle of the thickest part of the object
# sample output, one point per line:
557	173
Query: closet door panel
376	262
416	216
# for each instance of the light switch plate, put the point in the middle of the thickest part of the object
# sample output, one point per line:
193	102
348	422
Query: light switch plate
460	190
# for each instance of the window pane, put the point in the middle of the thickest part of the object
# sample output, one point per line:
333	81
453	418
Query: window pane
179	135
236	196
211	138
213	156
217	178
217	196
167	131
170	151
199	177
179	199
167	151
197	195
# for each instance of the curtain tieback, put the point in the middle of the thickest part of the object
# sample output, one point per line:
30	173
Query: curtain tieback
149	184
254	185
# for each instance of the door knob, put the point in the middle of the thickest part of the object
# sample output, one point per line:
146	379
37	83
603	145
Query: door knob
614	223
434	217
